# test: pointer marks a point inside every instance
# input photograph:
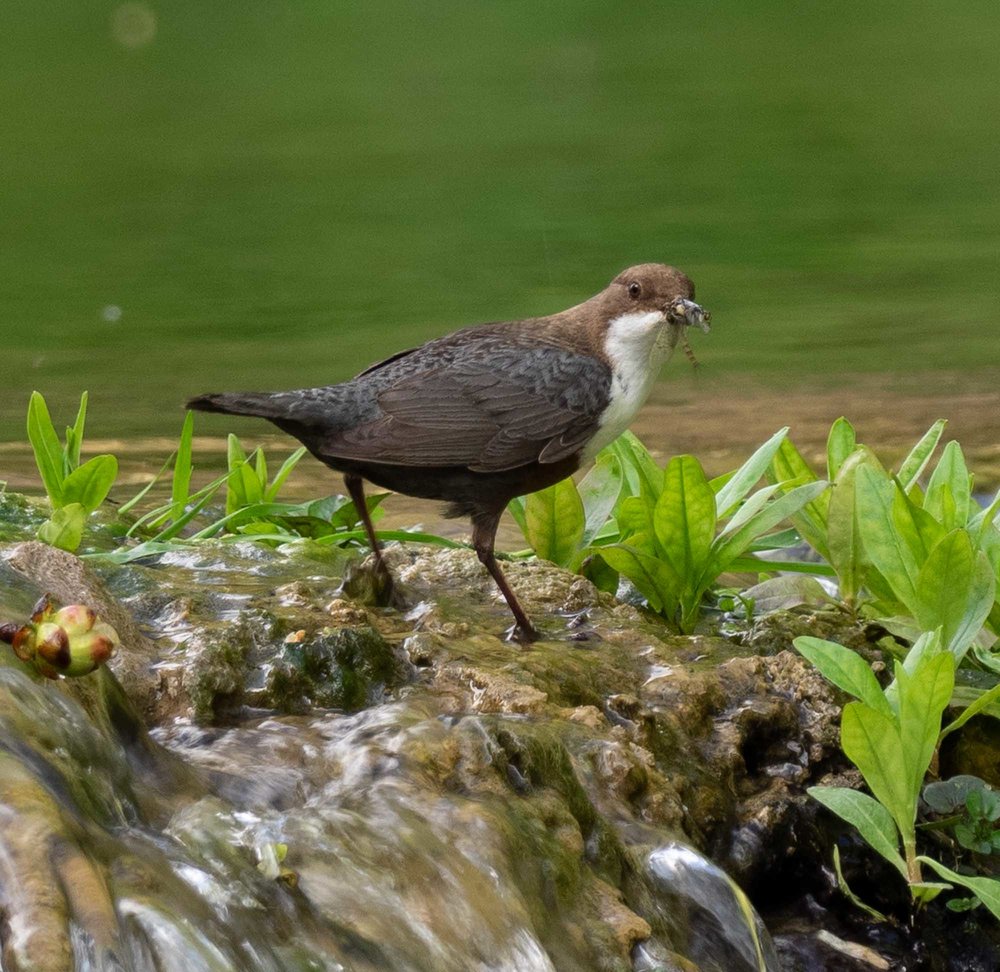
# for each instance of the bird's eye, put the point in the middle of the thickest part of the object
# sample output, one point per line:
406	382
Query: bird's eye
634	289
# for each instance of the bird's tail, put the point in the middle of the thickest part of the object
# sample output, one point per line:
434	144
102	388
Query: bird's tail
260	404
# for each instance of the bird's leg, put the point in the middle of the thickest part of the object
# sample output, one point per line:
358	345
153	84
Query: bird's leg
386	586
484	533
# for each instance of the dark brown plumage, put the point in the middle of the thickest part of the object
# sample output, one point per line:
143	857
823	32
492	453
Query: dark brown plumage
489	412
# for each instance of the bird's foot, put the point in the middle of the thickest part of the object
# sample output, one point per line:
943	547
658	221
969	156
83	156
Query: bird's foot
372	583
523	634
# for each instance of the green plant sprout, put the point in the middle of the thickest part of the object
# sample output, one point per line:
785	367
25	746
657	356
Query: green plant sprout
891	736
74	490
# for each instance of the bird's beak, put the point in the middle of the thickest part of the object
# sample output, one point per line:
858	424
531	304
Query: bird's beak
688	313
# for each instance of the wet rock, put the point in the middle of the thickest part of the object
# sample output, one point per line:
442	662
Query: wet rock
445	798
70	581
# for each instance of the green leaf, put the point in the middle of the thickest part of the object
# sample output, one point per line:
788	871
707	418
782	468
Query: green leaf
846	669
64	529
981	703
283	473
840	443
788	466
848	893
516	509
728	548
46	447
638	466
986	889
90	483
599	491
654	578
923	697
890	554
873	821
913	465
846	551
684	517
74	438
915	525
260	469
872	741
181	484
955	591
949	491
243	487
125	507
739	483
555	521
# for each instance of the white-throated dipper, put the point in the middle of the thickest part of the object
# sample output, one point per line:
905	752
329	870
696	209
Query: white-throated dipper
492	411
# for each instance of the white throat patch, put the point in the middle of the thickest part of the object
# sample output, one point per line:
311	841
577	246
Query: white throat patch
637	347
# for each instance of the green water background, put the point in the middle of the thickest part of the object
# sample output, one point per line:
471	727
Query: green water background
200	196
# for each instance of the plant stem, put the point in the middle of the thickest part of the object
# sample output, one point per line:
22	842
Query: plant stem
913	873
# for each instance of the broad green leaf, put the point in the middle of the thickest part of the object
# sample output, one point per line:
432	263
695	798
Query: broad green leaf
987	514
751	508
955	591
638	466
840	443
242	487
654	578
949	491
981	704
599	491
283	473
873	821
74	438
887	550
728	548
923	697
913	465
46	447
234	451
516	509
872	742
555	521
789	466
749	564
90	483
739	484
846	551
180	486
927	646
783	592
915	525
684	517
64	529
846	669
986	889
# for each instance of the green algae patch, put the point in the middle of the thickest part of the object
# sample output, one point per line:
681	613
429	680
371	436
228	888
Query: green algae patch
337	668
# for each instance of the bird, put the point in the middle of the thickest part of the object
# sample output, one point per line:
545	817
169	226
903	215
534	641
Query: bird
492	411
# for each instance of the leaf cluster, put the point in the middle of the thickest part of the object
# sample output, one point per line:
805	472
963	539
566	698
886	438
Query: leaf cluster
918	558
74	489
669	531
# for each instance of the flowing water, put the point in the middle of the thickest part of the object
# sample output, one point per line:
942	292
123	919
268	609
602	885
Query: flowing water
454	822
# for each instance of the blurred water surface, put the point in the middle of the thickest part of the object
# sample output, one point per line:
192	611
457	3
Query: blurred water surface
201	196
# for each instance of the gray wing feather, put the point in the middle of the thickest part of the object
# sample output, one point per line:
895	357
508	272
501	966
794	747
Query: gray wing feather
486	411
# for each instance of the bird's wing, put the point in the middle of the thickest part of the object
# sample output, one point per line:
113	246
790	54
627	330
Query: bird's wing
485	411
